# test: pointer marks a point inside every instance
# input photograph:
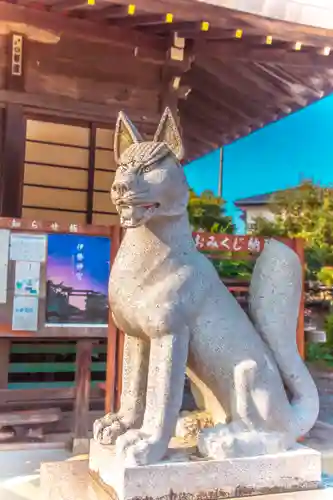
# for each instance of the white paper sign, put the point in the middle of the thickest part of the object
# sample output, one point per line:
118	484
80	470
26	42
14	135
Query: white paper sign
28	247
3	283
25	313
4	246
27	278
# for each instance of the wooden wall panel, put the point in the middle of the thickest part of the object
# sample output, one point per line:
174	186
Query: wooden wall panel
56	171
102	203
104	138
103	180
58	133
45	175
62	216
103	209
104	160
51	154
54	198
105	219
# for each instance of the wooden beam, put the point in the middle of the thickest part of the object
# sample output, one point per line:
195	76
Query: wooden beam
107	12
67	5
238	50
145	47
140	20
220	17
66	106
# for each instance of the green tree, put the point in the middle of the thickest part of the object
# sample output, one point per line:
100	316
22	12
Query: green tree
304	212
206	213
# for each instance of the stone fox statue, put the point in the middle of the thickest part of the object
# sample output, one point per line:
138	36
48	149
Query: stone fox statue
177	315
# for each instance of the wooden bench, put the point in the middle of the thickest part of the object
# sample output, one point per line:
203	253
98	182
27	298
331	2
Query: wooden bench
26	424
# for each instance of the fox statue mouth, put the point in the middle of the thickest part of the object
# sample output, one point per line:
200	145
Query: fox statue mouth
132	216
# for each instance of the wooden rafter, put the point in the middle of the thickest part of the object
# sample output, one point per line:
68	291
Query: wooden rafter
240	50
221	17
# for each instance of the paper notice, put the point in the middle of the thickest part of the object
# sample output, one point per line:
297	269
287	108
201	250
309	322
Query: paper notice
25	313
27	278
3	283
28	247
4	246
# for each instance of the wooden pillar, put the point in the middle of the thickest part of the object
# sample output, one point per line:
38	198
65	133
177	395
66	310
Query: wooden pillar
12	158
299	249
4	362
91	173
13	161
82	396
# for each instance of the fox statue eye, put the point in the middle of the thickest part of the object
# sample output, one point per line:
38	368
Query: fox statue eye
146	169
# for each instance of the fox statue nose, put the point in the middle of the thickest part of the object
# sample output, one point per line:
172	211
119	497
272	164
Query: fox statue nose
120	188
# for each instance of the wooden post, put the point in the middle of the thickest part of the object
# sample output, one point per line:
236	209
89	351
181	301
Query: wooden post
4	362
112	345
299	249
13	161
220	179
82	396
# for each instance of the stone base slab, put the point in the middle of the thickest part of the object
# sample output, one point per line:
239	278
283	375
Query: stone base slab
189	477
72	481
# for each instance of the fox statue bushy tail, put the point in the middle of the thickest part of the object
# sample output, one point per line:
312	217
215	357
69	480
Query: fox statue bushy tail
274	300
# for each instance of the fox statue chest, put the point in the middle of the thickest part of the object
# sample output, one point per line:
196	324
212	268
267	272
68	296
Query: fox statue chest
147	290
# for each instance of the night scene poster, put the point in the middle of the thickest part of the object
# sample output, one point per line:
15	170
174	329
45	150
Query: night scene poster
77	274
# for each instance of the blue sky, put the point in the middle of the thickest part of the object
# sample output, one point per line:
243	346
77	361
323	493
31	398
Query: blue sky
275	157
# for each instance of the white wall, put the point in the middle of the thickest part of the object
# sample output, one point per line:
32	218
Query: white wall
252	213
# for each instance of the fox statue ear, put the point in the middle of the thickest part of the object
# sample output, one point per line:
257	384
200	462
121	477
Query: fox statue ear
167	132
125	135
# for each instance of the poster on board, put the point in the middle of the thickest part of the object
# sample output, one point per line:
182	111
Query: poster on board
28	247
25	313
27	278
77	274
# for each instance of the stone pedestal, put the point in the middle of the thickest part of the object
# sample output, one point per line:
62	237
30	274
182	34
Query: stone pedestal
188	477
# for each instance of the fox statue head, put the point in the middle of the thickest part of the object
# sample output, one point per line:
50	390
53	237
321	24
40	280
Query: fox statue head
149	181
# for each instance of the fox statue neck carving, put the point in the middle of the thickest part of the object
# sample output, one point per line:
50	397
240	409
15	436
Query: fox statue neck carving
177	315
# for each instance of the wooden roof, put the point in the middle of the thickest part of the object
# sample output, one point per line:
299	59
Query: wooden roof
229	86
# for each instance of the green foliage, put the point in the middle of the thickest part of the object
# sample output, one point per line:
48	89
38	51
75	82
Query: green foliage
234	269
206	213
329	330
322	354
304	212
319	354
325	276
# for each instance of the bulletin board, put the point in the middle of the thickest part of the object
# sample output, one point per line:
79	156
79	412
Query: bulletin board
54	279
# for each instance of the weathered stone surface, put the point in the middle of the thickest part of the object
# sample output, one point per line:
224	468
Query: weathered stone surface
195	478
177	315
71	481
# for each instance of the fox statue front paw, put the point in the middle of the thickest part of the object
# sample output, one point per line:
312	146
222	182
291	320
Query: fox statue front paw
137	447
108	428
